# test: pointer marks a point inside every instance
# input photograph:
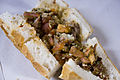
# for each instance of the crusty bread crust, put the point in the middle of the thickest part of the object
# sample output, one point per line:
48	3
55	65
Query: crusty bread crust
40	69
67	74
6	33
1	22
18	38
4	30
26	53
57	5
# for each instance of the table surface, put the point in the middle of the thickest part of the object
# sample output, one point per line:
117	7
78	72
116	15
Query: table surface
103	15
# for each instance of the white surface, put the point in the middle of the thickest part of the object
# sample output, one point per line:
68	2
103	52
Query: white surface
103	15
1	72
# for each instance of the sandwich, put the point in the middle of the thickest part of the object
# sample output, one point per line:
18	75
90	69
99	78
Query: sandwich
94	65
51	34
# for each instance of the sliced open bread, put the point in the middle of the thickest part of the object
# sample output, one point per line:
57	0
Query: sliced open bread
23	36
72	71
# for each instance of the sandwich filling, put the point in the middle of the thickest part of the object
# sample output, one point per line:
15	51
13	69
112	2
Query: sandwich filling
63	40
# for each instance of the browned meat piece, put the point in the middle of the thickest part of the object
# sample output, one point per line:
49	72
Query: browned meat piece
46	29
58	47
31	15
76	52
85	60
63	29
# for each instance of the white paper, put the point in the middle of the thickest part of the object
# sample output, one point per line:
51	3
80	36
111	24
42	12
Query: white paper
103	15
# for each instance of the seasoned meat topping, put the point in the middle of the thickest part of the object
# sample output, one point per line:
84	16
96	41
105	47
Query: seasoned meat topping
91	62
63	39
